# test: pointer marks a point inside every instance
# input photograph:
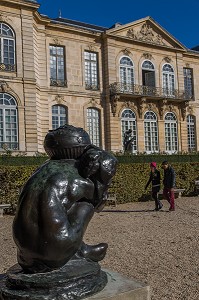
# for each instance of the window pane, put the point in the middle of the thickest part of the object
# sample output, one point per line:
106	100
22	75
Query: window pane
91	70
8	122
151	132
59	116
93	125
128	121
171	133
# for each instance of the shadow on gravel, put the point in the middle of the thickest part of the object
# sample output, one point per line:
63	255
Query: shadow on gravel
127	211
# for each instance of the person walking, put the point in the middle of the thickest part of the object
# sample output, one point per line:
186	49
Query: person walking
169	184
155	180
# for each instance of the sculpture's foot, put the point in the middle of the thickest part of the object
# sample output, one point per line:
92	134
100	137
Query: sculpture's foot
92	252
76	280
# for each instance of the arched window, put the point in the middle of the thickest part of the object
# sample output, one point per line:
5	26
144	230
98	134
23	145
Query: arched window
7	48
128	121
148	73
93	125
126	74
168	80
151	132
191	132
8	122
59	116
171	133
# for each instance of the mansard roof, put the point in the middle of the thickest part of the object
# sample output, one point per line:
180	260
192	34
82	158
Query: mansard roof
79	24
34	1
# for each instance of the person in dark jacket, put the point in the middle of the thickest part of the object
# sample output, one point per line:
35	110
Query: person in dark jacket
169	184
155	180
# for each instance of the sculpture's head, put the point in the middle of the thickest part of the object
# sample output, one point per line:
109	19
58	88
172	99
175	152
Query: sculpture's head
98	162
66	142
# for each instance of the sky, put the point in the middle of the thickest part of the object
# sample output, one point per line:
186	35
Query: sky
179	17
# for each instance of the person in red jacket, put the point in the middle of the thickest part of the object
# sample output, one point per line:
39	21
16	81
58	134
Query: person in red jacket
155	180
169	184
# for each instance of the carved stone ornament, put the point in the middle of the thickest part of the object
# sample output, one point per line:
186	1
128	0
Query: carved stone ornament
4	86
114	99
162	108
171	107
57	42
126	51
4	18
141	104
147	34
184	111
190	110
187	65
167	59
150	106
147	55
91	47
93	102
59	99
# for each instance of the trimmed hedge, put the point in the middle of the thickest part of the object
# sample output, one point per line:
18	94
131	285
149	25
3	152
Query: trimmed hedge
130	180
128	183
141	158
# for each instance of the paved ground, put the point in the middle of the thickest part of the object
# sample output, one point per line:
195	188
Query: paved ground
160	248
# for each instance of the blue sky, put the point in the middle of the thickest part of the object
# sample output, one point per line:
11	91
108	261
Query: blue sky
178	17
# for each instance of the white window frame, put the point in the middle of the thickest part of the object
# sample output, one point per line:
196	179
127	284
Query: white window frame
151	132
9	39
171	133
128	121
57	65
93	125
126	73
60	117
91	70
191	133
8	130
168	80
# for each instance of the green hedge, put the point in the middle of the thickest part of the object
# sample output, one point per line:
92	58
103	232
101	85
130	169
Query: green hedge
128	183
141	158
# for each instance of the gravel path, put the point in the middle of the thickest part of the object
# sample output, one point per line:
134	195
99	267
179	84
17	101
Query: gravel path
158	248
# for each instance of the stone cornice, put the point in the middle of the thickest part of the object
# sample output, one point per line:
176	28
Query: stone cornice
21	3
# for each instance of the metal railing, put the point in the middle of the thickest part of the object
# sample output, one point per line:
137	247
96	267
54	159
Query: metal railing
91	86
149	91
7	67
59	82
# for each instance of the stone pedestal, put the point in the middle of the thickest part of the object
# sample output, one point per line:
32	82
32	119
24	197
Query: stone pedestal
121	288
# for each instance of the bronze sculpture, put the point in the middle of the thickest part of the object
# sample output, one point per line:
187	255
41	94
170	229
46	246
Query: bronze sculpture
55	208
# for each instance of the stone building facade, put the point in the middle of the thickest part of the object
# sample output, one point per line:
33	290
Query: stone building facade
107	80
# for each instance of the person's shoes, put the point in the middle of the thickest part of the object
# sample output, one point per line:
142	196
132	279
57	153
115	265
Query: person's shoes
171	209
156	209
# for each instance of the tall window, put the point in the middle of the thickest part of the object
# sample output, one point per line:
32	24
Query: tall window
128	121
93	125
171	133
7	48
59	116
191	132
151	132
57	66
91	70
126	73
148	73
168	80
8	122
188	82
